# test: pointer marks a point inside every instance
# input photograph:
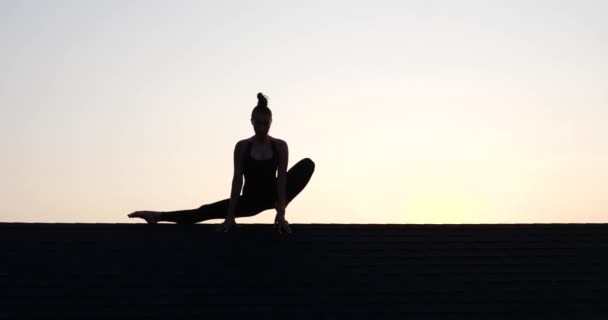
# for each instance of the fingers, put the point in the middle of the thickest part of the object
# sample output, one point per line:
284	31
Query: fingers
284	225
222	227
225	226
288	228
279	225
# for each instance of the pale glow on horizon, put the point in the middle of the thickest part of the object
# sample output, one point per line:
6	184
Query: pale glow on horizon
413	111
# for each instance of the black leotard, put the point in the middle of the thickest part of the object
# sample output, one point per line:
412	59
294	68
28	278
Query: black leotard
260	175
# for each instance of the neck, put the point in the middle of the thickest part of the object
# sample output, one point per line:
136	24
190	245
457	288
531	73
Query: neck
260	139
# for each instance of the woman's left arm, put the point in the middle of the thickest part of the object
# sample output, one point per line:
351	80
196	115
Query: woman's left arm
282	178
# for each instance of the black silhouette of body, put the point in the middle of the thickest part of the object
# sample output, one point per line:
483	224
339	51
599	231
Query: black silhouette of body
262	160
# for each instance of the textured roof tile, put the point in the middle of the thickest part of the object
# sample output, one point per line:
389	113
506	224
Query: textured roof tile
322	271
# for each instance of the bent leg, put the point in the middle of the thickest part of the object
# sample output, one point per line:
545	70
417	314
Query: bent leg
298	177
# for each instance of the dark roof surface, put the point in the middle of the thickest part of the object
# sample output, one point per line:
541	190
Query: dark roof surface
322	271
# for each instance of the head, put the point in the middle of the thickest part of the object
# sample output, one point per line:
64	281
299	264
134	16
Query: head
261	116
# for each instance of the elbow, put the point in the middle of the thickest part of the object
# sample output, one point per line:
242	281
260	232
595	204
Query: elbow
237	181
281	179
281	185
237	185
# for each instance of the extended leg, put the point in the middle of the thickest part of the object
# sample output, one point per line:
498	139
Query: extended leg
246	207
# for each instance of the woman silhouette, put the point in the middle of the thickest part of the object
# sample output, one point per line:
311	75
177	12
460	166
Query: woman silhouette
258	158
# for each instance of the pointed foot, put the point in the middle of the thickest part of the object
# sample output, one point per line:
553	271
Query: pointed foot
151	217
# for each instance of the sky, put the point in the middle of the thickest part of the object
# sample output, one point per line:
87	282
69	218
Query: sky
413	111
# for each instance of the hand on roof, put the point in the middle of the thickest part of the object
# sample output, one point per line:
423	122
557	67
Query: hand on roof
227	224
281	224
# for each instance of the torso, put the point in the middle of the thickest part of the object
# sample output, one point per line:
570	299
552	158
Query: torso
260	167
261	152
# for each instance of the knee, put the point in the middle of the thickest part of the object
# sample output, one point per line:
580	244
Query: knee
309	164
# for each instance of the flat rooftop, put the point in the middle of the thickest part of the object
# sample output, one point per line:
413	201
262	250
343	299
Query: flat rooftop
322	271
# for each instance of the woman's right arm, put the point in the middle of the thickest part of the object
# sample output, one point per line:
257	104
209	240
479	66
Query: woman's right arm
237	179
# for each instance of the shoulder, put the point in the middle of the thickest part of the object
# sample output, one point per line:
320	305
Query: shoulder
244	141
281	144
242	144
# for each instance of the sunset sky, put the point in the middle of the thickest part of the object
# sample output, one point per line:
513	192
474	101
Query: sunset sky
413	111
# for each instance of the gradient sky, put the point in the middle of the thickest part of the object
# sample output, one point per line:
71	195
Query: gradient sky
413	111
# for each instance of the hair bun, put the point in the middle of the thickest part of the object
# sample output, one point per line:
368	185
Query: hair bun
262	101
